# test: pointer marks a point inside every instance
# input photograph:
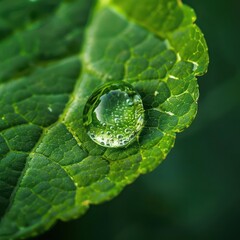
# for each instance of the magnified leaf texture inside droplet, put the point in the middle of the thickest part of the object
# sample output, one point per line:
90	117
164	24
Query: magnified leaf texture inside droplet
114	115
65	70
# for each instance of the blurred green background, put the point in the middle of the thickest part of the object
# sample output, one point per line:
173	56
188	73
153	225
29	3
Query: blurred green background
195	192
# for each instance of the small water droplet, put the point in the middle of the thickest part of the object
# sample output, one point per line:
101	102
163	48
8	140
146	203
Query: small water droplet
116	120
92	135
110	119
132	135
137	99
129	102
50	109
119	136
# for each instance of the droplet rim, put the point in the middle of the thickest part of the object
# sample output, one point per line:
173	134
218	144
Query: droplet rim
96	94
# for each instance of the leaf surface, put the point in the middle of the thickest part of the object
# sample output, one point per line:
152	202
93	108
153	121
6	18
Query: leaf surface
53	54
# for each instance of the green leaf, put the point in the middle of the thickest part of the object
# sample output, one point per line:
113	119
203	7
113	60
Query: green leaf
53	54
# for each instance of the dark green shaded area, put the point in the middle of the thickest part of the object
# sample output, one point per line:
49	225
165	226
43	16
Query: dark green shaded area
11	167
23	13
48	39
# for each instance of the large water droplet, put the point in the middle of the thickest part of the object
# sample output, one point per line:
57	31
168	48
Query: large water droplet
114	115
